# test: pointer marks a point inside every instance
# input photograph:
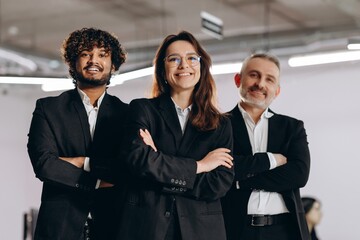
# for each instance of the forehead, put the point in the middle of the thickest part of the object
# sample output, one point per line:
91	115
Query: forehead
180	47
264	66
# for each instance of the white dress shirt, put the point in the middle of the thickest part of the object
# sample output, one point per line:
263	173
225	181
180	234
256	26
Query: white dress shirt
92	113
183	115
260	201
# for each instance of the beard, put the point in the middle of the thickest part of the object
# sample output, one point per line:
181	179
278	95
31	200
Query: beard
252	101
105	79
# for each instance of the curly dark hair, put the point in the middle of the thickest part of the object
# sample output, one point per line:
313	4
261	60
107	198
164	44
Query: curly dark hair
204	114
86	39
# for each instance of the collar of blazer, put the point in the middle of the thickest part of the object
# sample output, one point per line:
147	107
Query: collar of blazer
168	112
241	137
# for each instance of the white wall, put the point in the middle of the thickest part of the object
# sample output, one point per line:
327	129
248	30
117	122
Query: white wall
325	97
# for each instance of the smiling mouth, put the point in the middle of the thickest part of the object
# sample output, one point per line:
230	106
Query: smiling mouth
183	74
93	69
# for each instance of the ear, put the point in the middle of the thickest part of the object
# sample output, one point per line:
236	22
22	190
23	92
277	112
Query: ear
277	91
112	69
237	79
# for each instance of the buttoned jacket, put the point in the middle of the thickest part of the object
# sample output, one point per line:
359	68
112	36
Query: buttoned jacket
166	180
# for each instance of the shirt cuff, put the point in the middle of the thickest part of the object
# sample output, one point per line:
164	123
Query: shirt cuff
97	184
87	164
272	161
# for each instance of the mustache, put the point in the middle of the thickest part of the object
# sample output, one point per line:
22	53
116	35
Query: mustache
257	88
91	66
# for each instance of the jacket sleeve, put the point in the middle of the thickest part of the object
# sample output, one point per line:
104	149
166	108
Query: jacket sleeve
294	174
247	166
176	174
215	184
44	155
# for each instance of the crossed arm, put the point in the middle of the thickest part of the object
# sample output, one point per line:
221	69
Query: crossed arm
214	159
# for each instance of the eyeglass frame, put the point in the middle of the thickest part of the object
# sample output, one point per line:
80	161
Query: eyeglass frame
198	58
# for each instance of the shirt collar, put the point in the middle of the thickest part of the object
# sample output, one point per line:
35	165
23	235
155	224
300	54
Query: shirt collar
265	114
86	100
178	108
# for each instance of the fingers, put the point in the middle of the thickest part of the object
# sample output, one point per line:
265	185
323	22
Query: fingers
280	159
147	139
104	184
226	150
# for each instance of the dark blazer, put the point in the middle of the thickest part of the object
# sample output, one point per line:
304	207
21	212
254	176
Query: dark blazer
167	179
60	127
286	136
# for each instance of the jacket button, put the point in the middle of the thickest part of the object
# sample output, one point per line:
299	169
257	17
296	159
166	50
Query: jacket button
167	214
77	185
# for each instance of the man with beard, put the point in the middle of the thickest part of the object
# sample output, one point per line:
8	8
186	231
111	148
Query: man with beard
74	142
271	159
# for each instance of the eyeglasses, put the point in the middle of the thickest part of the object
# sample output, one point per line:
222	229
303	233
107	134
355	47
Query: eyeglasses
174	60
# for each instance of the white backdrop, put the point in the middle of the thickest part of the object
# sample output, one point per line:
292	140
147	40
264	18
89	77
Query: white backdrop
325	97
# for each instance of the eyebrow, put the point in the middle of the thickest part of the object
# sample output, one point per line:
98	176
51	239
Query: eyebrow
177	54
258	72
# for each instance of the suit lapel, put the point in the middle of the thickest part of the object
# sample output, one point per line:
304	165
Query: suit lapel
188	139
241	136
80	109
103	114
168	112
276	134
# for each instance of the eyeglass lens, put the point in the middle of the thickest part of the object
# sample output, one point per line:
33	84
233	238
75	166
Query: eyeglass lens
175	60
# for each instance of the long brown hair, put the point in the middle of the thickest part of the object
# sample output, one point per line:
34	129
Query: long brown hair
204	113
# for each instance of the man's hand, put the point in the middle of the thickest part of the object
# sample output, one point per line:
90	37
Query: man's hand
76	161
280	159
104	184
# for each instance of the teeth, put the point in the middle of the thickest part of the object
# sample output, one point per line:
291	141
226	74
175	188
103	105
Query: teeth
93	69
184	74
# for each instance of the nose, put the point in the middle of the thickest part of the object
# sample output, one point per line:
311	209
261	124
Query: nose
261	82
93	58
183	63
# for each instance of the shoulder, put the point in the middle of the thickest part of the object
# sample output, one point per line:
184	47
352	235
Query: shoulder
67	95
285	117
145	102
286	120
116	101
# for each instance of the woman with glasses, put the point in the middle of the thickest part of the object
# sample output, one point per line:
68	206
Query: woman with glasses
178	150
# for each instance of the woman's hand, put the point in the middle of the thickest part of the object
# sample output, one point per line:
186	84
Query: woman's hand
218	157
146	137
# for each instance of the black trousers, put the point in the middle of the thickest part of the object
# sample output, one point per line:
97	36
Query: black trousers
284	231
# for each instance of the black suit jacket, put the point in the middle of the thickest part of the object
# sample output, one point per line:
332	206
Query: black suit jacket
167	179
60	127
286	136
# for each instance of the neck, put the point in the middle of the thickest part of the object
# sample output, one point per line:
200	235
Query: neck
310	227
93	92
182	99
254	112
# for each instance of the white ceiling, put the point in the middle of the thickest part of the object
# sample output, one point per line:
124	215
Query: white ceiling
37	28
